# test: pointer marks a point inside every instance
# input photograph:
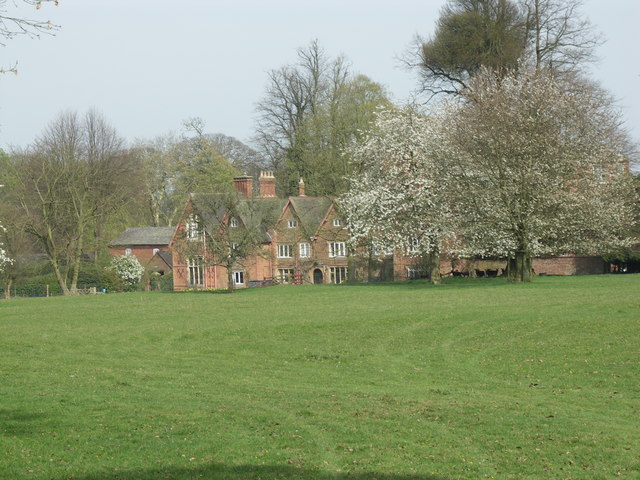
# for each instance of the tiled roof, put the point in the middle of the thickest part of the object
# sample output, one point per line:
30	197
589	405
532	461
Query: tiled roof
213	207
311	211
144	236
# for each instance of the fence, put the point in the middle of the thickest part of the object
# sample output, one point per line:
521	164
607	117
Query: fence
40	291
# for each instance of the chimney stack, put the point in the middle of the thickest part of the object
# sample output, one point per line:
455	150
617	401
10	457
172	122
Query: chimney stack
267	184
244	185
301	187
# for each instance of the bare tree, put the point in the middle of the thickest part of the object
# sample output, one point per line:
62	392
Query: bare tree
13	25
559	37
71	179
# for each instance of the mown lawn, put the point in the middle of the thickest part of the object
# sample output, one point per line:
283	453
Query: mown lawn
469	380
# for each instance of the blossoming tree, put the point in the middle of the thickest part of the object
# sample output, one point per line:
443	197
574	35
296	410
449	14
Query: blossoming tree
128	269
398	199
540	168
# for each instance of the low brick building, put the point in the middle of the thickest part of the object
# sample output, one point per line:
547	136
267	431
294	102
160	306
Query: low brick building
150	245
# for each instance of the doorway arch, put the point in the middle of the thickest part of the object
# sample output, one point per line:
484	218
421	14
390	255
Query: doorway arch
318	277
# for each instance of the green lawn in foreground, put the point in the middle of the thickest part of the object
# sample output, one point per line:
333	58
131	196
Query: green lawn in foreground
469	380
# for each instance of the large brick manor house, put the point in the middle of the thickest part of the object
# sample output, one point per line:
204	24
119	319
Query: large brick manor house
303	241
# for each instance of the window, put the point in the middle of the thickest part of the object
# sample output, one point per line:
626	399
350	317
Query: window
337	249
337	222
234	247
305	250
285	250
238	277
285	275
414	245
338	274
194	232
413	273
233	222
127	252
196	271
156	250
293	223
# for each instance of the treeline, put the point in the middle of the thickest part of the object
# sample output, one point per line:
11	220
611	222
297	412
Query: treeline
78	185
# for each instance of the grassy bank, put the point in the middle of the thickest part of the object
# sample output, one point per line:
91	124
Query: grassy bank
472	379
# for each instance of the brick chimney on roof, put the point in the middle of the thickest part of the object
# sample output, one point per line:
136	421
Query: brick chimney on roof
267	184
244	185
301	187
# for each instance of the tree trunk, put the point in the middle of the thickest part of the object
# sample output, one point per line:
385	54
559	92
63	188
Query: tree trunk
519	267
229	279
432	267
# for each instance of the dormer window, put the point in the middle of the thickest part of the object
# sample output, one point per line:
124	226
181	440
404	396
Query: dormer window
337	222
233	223
293	223
194	232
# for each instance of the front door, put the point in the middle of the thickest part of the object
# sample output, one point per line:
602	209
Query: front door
317	276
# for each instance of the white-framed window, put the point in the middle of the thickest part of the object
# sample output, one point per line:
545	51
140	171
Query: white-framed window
238	277
338	274
285	250
292	223
128	252
194	231
305	250
234	246
156	250
337	222
337	249
414	245
285	275
233	222
196	271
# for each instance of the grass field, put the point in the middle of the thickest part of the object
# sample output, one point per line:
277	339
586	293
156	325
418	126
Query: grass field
469	380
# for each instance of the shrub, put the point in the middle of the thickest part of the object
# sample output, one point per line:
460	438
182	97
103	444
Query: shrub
128	270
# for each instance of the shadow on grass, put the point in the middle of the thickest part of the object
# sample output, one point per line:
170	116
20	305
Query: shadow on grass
248	472
18	423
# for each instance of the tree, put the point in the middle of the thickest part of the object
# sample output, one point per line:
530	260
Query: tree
540	168
311	110
243	158
399	199
500	35
469	34
12	26
558	38
73	177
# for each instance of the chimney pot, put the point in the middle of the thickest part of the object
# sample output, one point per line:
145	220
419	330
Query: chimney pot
267	184
244	185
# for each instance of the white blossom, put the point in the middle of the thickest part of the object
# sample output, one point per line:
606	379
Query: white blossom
4	256
128	269
540	167
398	198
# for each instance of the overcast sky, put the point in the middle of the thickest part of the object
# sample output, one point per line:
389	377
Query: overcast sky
149	64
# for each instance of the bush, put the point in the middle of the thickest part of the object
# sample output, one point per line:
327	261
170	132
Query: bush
128	270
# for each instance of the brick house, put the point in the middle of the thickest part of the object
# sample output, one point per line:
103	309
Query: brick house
304	241
150	245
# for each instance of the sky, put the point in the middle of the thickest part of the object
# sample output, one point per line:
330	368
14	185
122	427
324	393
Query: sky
147	65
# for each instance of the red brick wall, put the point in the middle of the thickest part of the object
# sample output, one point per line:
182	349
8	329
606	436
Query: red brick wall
568	266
